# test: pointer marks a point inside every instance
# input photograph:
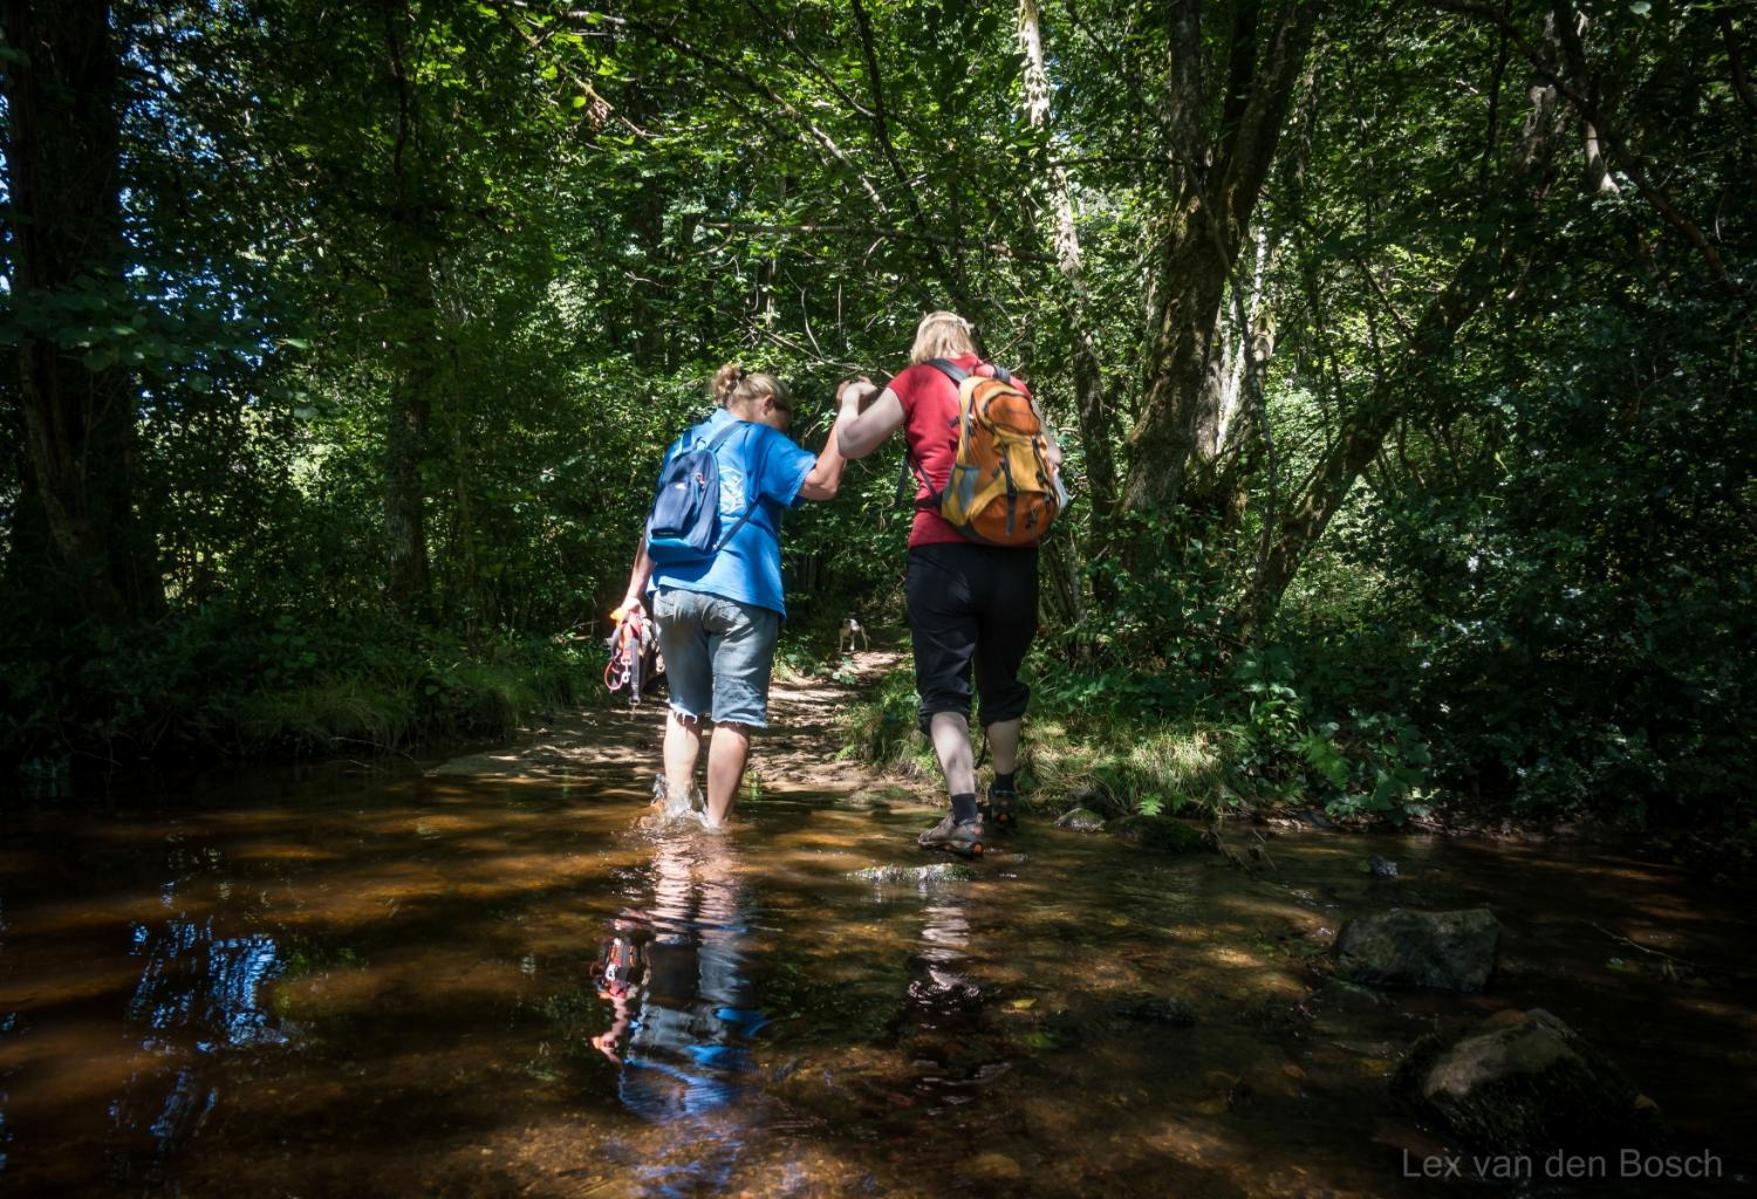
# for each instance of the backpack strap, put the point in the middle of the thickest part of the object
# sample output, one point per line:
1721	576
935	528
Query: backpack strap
958	374
718	440
949	369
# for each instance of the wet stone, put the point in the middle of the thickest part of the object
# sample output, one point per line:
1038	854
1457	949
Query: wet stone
1153	1009
1523	1081
993	1167
1382	867
1446	951
1080	820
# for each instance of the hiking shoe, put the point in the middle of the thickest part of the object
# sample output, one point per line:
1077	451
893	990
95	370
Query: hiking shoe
963	839
1001	808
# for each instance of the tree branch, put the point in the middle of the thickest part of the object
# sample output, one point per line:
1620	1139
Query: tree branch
881	131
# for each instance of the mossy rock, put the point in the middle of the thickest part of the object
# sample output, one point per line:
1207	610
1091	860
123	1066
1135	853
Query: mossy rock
1080	820
1444	951
1161	833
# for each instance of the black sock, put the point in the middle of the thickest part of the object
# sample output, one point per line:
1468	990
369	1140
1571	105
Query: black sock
963	807
1003	782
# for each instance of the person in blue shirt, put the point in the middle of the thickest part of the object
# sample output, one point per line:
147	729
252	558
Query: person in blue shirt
719	617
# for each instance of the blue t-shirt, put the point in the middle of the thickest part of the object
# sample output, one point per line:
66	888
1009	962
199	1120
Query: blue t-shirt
758	460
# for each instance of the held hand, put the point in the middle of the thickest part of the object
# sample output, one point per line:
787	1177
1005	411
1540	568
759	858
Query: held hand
629	604
855	394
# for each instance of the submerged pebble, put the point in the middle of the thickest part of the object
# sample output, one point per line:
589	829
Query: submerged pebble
1154	1009
914	876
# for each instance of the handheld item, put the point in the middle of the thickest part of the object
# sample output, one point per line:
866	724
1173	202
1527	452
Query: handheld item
629	647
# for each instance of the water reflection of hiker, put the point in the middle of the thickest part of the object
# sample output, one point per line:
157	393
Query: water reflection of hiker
969	604
673	974
711	560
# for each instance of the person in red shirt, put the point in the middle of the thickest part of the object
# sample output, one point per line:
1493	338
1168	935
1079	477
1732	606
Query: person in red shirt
970	605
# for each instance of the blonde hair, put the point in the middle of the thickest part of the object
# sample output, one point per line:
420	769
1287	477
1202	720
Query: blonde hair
942	335
735	385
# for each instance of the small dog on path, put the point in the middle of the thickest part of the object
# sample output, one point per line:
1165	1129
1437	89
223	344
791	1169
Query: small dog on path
851	632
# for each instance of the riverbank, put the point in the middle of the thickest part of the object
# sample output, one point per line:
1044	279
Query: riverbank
228	685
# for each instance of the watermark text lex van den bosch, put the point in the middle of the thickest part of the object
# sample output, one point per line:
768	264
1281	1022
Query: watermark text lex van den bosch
1625	1163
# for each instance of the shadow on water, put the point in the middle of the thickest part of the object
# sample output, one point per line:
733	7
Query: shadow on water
445	985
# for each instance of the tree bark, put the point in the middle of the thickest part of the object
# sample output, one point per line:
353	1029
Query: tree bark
1213	185
1095	424
409	279
63	176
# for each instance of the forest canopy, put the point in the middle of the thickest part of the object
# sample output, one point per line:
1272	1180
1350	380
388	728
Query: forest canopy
1400	352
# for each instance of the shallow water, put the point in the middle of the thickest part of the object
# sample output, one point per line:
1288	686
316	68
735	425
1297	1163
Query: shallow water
325	984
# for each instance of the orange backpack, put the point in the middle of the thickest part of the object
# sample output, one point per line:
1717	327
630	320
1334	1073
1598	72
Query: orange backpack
1003	489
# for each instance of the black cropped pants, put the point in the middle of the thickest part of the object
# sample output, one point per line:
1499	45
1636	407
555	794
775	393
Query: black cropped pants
970	606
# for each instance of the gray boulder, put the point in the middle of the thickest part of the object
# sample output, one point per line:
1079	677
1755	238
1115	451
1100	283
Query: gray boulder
1448	951
1523	1081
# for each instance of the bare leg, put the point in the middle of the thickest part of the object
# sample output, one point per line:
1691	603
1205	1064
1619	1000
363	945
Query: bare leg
951	741
683	744
1003	743
727	753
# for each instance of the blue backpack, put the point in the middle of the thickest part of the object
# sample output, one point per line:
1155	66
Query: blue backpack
685	522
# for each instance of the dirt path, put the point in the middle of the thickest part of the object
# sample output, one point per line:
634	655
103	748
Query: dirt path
620	746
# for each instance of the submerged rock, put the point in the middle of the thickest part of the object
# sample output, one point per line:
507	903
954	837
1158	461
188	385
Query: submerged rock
1160	832
1448	951
992	1167
1382	867
1080	820
1523	1081
1154	1009
915	876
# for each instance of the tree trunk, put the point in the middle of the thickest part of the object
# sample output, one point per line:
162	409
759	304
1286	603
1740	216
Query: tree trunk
1213	185
1365	428
63	165
1095	425
413	345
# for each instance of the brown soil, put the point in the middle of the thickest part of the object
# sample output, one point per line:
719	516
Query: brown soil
797	753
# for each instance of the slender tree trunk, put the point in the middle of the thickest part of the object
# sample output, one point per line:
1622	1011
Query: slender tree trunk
65	222
1212	185
1472	285
1095	424
413	317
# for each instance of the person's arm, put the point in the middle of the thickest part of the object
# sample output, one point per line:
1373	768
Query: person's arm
637	580
825	478
865	432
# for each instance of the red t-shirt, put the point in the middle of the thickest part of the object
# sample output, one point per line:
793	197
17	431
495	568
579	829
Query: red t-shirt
930	427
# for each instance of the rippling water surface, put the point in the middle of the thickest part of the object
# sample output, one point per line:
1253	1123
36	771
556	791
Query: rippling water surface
331	985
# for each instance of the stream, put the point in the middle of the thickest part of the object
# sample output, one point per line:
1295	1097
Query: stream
397	982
